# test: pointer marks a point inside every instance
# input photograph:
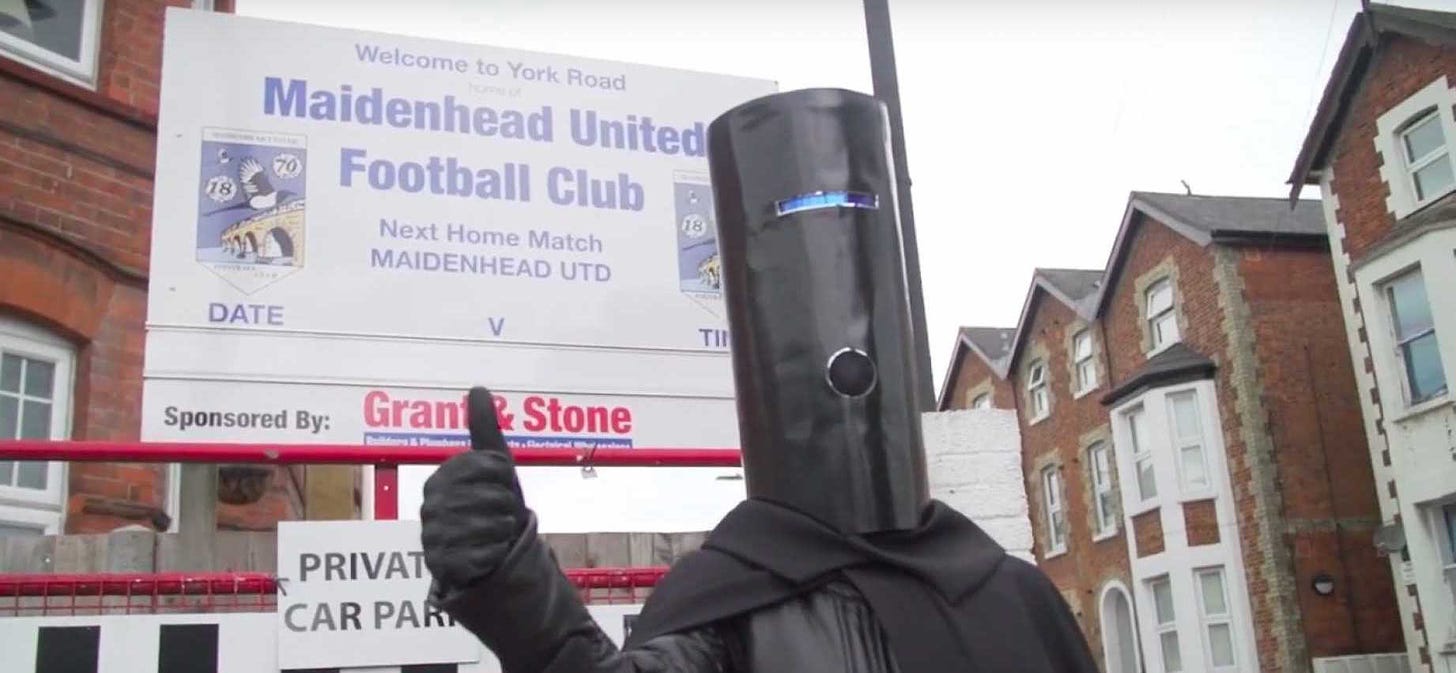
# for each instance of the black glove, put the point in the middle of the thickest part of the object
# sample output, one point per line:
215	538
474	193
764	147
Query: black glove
473	511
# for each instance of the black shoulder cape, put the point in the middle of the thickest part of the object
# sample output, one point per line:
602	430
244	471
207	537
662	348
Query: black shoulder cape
948	596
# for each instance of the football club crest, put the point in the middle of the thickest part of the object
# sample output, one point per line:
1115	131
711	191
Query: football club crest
698	268
250	206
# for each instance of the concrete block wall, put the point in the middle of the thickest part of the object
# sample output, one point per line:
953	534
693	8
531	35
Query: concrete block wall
974	461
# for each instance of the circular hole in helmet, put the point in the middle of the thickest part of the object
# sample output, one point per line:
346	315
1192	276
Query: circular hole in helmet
851	372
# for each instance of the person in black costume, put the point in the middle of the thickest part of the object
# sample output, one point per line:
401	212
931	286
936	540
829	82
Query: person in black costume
838	561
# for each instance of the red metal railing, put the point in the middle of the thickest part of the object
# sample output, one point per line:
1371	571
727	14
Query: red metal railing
385	459
50	594
28	595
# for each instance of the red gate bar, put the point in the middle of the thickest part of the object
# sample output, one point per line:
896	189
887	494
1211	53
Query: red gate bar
350	454
385	459
247	591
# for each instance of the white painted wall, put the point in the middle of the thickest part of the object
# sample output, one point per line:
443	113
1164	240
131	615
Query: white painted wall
974	461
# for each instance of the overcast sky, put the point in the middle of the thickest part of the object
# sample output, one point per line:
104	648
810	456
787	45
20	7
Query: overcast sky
1027	121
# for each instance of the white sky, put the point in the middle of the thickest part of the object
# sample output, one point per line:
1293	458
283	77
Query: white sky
1027	121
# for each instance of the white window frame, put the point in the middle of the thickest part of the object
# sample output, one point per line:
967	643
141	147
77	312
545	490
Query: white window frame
1387	294
1104	497
1141	454
1167	315
84	70
1443	520
43	510
1037	390
1416	164
1084	362
1178	444
1208	620
982	401
1054	502
1390	130
1160	628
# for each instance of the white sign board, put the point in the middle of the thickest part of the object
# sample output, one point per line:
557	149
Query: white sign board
352	593
617	500
225	642
342	182
342	214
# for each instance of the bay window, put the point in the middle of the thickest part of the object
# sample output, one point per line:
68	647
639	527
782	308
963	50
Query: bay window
1214	614
1187	436
1415	337
1165	621
1142	454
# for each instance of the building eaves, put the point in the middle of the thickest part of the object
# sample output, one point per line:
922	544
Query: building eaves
991	344
1361	42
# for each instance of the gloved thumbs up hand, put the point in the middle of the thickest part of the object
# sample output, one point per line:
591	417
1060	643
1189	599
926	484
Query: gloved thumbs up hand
473	510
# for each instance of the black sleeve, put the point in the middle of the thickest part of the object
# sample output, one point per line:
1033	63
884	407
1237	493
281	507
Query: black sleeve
529	614
1062	636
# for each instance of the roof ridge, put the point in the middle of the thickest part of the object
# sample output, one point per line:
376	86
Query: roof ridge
1281	199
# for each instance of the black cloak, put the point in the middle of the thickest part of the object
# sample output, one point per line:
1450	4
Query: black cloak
948	596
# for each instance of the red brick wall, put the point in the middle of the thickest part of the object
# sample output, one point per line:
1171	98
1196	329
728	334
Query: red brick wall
75	224
971	373
1404	67
1201	520
1147	532
1087	565
1312	415
1320	450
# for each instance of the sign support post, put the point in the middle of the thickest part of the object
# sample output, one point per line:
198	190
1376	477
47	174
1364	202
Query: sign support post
887	88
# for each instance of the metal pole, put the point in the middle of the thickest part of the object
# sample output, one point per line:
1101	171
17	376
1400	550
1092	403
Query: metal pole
887	89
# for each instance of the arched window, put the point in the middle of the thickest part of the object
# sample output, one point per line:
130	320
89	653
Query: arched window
36	371
982	401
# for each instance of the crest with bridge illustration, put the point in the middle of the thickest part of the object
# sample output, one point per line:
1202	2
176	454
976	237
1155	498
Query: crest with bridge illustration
250	206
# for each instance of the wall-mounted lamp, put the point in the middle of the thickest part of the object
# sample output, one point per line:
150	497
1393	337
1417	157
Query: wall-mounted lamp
1323	584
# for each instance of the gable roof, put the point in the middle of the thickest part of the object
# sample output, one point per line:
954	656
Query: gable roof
1214	219
1353	63
991	344
1078	289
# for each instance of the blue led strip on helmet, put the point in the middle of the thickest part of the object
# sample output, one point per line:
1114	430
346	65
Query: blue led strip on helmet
821	200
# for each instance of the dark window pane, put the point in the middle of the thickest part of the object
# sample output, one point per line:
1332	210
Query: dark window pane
54	25
31	474
40	378
1423	368
35	420
9	416
10	373
1412	311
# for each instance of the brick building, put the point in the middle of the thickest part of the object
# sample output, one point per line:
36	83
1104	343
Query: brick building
1382	149
80	85
976	378
1198	484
